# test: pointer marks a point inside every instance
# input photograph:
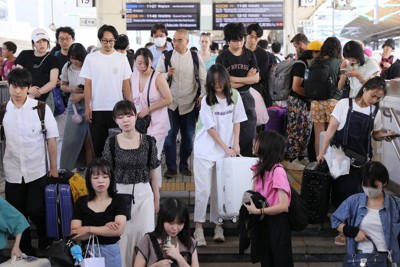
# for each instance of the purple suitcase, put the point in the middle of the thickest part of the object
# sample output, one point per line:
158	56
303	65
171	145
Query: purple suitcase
59	205
277	120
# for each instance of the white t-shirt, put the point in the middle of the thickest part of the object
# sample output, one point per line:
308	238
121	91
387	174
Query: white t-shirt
221	117
342	107
107	73
372	227
70	75
370	67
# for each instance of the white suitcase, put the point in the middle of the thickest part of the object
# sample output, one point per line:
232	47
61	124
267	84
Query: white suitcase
234	177
33	262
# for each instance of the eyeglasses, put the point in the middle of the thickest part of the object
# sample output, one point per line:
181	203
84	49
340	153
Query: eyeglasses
66	39
105	41
177	40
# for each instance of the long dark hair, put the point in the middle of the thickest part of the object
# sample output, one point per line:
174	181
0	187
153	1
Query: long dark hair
354	50
171	209
331	48
99	166
124	107
373	84
270	151
78	51
223	77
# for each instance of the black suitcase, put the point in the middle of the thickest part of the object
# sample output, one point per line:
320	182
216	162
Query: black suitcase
316	191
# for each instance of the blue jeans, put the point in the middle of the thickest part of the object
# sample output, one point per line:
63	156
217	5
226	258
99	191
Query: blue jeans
111	254
186	124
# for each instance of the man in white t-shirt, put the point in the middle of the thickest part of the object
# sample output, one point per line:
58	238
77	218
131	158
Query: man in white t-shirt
24	158
106	74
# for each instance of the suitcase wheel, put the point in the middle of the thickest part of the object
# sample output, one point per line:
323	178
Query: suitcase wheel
220	220
234	219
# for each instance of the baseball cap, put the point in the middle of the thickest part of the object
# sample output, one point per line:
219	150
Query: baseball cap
315	46
39	34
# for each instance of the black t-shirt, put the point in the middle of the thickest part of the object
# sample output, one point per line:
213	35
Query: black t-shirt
39	67
238	66
90	218
262	63
61	60
298	70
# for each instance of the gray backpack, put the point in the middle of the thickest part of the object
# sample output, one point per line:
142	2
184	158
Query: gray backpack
280	81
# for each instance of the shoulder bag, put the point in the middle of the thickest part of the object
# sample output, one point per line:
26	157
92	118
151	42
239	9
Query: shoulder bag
142	124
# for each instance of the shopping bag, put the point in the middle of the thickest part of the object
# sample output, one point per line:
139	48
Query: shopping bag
338	162
93	256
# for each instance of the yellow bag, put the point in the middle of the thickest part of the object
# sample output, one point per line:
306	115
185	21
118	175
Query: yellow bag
78	186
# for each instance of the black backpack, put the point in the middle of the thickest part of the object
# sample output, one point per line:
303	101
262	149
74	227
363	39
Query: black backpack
196	65
319	84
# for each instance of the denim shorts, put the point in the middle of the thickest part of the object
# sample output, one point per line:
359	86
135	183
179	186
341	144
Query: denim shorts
111	254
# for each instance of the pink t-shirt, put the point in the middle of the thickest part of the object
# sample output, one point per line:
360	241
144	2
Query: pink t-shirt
8	66
159	125
273	180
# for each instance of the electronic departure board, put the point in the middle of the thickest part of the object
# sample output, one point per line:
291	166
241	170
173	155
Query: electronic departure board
268	14
142	16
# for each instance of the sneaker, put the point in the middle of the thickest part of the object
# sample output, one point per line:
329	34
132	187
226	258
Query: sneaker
199	236
169	174
185	172
219	234
295	165
340	240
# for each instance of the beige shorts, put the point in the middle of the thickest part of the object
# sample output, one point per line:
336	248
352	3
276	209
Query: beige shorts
321	110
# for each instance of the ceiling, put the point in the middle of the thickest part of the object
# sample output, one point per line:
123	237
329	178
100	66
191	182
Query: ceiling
363	27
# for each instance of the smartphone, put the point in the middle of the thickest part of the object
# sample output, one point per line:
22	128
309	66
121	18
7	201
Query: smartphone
392	135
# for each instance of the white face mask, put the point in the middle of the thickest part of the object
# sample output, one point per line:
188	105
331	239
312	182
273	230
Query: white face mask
160	41
372	192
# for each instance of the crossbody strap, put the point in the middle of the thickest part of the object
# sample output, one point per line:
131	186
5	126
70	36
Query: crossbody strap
148	90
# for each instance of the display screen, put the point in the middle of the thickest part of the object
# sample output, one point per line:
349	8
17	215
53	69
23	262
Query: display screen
143	16
268	14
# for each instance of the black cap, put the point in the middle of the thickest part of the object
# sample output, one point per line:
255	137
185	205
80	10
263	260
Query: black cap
389	42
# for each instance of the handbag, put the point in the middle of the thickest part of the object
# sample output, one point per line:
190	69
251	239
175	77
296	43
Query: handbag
143	123
338	162
58	253
76	118
374	259
356	160
94	259
59	106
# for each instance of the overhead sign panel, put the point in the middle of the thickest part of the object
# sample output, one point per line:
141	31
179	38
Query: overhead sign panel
268	14
143	16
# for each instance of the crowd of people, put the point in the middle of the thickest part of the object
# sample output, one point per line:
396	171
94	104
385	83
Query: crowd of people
96	98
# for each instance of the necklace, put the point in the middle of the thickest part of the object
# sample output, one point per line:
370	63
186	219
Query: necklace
36	66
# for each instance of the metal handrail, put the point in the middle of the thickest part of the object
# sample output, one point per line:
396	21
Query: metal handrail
392	115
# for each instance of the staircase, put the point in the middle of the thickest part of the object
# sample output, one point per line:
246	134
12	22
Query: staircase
312	247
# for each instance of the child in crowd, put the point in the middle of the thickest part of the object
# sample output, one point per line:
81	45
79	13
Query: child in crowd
270	180
102	212
217	137
170	244
11	222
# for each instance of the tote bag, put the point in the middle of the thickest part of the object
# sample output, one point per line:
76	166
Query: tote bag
96	259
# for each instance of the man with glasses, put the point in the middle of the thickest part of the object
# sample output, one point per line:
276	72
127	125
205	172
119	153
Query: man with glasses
106	74
241	64
159	33
65	37
184	89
